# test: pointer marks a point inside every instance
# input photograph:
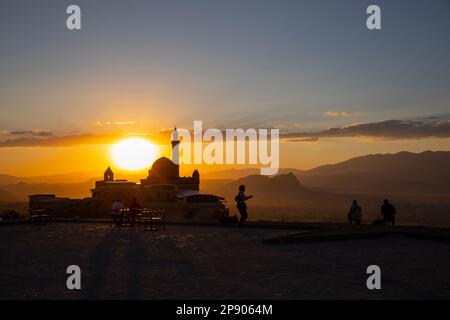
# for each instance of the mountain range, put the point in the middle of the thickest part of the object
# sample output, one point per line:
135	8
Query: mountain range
279	184
401	173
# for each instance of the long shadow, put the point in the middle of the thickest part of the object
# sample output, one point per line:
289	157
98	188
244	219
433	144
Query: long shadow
162	256
137	260
99	262
171	263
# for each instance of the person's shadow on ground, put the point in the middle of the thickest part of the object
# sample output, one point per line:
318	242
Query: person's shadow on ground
105	253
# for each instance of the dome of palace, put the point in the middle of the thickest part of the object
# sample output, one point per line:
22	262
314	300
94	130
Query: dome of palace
164	169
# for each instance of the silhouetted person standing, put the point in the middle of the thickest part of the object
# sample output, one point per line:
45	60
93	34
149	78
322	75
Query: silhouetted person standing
241	198
355	213
388	212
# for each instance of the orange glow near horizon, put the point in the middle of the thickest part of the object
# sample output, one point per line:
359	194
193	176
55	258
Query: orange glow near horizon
41	161
133	154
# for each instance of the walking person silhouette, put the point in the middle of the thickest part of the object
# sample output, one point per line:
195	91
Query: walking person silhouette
241	199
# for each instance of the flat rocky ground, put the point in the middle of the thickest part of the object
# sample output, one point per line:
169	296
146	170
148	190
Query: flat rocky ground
199	262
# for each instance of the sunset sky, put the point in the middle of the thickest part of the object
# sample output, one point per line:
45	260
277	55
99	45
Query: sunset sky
310	68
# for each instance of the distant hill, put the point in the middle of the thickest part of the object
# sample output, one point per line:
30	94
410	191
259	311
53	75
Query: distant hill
21	190
232	174
406	173
257	184
5	196
75	177
403	172
393	163
56	178
8	179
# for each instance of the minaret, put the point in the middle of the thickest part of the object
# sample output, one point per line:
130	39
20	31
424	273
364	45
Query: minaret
176	150
196	180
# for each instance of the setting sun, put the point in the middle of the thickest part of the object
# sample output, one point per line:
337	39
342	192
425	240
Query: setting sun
133	154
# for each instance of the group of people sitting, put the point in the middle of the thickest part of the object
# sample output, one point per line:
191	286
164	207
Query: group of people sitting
121	214
388	213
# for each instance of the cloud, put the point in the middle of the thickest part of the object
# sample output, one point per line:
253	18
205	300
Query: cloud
54	141
115	123
305	139
388	129
31	133
77	140
344	114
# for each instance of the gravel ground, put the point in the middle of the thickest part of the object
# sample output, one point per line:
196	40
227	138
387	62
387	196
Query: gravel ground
198	262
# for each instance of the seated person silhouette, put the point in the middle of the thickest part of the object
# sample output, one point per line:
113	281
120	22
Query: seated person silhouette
134	211
117	213
388	212
355	213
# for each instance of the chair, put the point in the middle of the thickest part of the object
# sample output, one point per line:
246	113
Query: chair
159	219
151	219
144	218
125	213
38	216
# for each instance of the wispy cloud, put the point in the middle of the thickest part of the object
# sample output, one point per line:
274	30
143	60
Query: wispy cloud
343	114
78	140
115	123
31	133
388	129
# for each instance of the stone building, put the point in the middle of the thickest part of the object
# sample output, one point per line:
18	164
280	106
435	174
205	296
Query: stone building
163	188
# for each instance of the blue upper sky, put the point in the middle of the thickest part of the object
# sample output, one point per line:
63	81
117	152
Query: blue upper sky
230	63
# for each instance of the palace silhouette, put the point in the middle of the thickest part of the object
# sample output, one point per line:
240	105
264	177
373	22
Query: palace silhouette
163	188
